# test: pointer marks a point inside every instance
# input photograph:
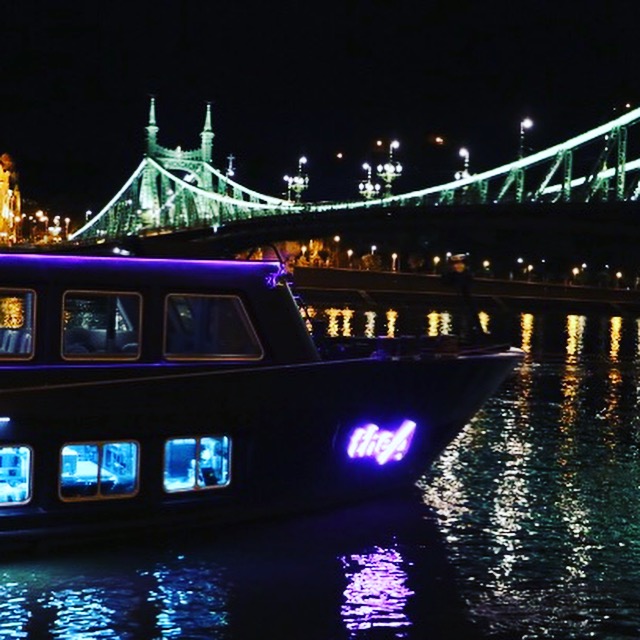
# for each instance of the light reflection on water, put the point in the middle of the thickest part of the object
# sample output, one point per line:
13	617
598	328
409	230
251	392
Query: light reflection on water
376	593
536	505
57	600
538	498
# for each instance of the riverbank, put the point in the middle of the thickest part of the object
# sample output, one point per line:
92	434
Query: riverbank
383	288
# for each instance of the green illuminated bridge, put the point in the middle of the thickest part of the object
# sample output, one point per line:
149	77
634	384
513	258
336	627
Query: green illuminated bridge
175	190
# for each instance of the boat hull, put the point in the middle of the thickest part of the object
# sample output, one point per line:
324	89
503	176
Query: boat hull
293	428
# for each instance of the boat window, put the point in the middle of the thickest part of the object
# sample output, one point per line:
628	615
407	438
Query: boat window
96	470
101	325
209	327
17	321
191	464
15	475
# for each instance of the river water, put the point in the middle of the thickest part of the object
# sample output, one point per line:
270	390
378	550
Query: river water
527	527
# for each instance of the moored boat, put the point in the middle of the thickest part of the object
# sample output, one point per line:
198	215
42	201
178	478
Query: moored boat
147	393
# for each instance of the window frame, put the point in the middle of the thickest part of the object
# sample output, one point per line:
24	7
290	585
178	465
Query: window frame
97	356
29	498
219	357
98	495
11	355
197	487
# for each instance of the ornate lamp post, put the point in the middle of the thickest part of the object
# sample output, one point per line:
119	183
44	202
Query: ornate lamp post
298	183
230	168
525	124
390	170
336	260
618	279
464	154
367	188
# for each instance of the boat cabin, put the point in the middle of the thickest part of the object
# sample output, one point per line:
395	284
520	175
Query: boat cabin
69	320
92	310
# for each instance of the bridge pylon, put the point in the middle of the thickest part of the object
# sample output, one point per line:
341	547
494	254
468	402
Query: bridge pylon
176	189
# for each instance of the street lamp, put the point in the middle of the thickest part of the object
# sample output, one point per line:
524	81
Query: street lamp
525	124
390	170
367	188
298	183
394	262
464	154
575	272
230	168
618	278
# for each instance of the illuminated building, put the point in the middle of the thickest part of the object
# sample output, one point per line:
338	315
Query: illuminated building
9	200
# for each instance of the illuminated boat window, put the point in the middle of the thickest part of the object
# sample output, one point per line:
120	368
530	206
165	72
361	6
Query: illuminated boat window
15	475
191	464
17	322
98	470
101	325
209	327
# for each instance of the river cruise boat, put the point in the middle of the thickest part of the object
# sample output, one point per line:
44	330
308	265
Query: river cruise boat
140	394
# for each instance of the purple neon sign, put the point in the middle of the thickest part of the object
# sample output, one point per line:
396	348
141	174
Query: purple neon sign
370	441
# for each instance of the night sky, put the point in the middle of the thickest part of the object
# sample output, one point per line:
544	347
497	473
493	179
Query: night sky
293	78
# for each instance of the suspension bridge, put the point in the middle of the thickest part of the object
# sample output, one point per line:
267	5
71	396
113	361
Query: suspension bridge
177	190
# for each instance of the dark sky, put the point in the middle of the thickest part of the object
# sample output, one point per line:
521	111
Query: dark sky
292	78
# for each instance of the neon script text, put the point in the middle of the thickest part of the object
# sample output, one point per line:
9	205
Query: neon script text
372	442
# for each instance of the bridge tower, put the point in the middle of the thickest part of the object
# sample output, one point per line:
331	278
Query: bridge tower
177	189
160	204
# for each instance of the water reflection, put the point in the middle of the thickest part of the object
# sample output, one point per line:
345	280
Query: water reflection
572	376
615	333
178	599
536	502
339	322
392	317
14	608
190	601
370	324
538	496
575	336
485	320
376	593
526	332
347	321
439	323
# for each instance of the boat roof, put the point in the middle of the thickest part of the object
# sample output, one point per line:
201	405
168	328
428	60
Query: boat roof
22	268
